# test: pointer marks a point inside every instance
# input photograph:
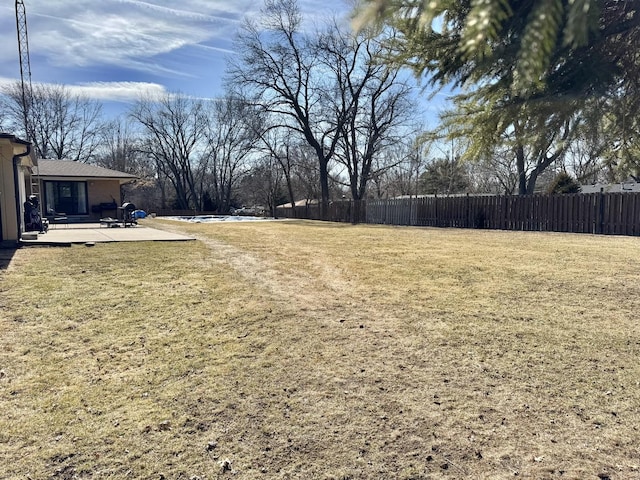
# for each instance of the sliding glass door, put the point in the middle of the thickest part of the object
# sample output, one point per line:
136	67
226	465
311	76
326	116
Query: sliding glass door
66	197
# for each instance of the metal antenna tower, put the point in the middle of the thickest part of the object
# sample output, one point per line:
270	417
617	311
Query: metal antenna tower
25	64
27	89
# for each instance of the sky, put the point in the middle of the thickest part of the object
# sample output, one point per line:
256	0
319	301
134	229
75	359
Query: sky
115	50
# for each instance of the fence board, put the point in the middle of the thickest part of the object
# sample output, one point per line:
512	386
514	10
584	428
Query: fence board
599	213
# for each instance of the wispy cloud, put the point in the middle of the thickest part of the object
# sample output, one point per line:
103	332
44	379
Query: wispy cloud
225	15
126	32
118	91
116	49
211	48
125	92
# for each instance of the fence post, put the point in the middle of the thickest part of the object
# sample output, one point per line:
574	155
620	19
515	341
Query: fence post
601	212
467	213
410	210
503	220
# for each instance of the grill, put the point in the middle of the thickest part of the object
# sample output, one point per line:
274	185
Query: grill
127	209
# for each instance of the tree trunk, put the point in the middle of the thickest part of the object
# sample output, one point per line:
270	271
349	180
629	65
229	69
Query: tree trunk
531	183
292	199
324	188
522	174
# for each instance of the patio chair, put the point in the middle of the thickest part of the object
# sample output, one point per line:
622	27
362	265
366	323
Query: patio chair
57	218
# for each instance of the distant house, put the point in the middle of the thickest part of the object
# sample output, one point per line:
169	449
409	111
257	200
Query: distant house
16	163
300	203
81	191
629	186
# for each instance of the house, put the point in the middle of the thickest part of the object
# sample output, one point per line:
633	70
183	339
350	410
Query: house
628	186
80	191
16	164
300	203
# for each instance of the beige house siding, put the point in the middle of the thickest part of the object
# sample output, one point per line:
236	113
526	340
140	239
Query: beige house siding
103	191
7	192
98	191
10	146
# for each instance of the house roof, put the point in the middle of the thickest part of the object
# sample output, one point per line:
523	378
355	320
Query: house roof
13	138
300	203
624	187
18	144
71	169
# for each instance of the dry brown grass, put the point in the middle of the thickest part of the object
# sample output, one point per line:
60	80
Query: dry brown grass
308	350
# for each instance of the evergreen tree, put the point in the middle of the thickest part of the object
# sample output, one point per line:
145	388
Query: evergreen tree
564	183
531	73
443	177
546	47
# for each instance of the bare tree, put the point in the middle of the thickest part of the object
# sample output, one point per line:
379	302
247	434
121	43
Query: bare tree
400	172
280	147
5	118
232	136
495	173
64	125
375	104
328	88
120	149
278	65
305	176
174	135
584	159
265	183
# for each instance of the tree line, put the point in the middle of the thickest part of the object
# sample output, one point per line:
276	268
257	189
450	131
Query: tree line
542	97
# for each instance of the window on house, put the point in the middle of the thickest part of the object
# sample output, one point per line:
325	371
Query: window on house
66	197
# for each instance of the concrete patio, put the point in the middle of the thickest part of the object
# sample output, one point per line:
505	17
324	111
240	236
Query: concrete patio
87	233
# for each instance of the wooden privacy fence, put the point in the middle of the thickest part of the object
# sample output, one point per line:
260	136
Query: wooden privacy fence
602	213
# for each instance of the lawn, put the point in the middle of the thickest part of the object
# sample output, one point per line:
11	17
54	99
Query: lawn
304	350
